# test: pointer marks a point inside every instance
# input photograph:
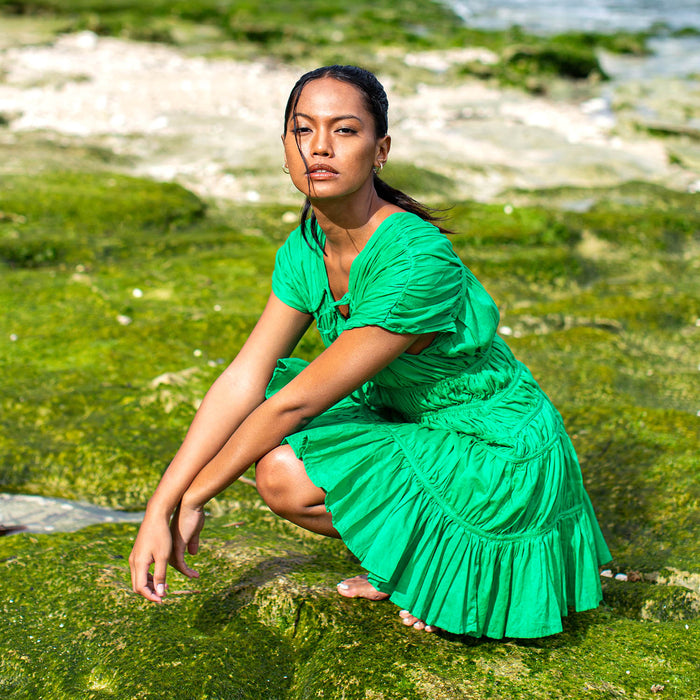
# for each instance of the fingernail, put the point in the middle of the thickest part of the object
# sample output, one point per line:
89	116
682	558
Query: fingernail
344	586
160	589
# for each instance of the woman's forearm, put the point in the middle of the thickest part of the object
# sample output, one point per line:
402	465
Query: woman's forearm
232	397
356	356
262	431
226	405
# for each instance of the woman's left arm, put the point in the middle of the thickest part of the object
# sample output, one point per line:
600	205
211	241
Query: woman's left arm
354	358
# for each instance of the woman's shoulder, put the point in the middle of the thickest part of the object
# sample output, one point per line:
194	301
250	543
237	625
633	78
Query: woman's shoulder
407	236
299	248
407	224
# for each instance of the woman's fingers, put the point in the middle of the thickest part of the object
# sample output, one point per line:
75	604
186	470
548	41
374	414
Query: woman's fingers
186	526
152	547
159	572
178	560
142	581
193	544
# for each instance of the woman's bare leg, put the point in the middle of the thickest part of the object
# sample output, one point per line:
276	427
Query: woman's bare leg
282	482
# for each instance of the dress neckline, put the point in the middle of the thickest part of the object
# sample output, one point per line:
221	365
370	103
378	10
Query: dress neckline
371	242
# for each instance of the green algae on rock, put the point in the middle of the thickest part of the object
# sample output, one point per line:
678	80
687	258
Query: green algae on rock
107	348
263	621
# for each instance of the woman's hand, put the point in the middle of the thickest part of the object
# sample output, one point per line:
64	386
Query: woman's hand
153	545
185	527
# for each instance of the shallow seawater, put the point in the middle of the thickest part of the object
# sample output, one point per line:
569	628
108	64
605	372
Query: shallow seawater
671	56
550	16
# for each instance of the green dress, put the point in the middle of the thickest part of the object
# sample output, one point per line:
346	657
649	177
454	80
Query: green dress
449	474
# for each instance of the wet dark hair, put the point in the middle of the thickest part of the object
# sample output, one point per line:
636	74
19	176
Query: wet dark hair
378	106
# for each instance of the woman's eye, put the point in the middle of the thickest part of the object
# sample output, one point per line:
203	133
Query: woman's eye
301	130
347	130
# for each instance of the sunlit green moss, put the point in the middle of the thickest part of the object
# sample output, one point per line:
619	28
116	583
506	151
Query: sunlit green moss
263	621
77	218
106	349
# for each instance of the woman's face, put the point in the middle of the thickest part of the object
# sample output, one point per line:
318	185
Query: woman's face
335	133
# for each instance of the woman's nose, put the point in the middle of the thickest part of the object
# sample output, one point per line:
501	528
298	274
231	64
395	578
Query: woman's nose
321	145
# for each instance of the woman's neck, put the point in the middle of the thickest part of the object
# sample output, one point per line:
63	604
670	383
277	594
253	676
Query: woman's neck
349	225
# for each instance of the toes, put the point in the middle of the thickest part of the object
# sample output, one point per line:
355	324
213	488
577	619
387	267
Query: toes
408	619
415	622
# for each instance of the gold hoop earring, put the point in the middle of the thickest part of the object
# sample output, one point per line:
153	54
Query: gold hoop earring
285	169
379	168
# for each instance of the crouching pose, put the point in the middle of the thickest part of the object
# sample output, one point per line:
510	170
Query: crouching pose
415	436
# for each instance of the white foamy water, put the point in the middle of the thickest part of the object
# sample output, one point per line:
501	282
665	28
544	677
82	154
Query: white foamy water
551	16
672	56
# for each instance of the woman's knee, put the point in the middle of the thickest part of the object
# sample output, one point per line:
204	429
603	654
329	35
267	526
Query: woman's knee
274	478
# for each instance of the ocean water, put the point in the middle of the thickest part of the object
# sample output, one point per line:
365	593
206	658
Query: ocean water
671	56
552	16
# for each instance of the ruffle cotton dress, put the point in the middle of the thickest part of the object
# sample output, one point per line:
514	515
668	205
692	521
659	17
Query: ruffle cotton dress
449	474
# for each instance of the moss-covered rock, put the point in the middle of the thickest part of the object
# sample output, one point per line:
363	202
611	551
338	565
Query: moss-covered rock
644	601
321	32
106	349
263	621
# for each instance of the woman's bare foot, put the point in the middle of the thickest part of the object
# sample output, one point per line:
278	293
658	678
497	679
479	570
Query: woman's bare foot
360	587
415	622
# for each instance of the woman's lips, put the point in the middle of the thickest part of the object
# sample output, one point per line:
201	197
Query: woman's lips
321	172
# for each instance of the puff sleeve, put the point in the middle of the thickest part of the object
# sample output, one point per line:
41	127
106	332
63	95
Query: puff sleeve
288	276
410	282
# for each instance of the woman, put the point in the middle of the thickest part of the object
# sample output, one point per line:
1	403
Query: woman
415	436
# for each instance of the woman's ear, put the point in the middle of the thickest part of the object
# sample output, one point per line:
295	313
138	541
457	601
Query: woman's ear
383	148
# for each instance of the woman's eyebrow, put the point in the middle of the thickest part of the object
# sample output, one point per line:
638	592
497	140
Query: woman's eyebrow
335	119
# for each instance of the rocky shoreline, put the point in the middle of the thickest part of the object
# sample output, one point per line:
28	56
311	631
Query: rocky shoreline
213	124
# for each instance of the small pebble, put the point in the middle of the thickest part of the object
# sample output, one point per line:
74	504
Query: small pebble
607	573
123	320
137	293
289	217
621	577
13	337
508	209
217	307
197	353
505	330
